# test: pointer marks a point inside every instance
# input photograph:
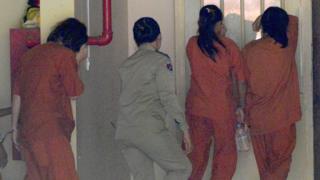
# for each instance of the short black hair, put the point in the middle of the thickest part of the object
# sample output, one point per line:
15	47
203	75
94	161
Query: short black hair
71	33
275	22
145	30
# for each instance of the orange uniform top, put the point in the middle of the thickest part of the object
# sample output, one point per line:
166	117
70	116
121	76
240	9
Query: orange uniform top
273	100
210	94
46	79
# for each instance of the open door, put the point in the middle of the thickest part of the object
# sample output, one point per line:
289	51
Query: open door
239	15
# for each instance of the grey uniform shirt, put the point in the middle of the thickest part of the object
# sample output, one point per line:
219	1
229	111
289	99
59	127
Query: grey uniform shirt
148	92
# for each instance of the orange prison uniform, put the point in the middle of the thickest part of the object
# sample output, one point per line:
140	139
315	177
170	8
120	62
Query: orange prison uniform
273	102
211	108
47	77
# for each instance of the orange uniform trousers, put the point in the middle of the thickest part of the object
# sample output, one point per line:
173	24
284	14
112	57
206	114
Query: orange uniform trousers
203	131
50	159
273	153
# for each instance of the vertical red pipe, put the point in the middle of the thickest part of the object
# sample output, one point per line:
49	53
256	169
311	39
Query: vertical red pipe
106	37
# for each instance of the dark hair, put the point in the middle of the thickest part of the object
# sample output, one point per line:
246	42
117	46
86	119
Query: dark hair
145	30
71	33
275	22
33	3
209	16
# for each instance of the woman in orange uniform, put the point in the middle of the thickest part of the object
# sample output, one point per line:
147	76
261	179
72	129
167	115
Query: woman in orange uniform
273	100
211	108
46	81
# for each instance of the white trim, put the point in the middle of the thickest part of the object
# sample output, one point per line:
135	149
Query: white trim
305	38
222	5
283	4
262	6
74	133
180	57
242	23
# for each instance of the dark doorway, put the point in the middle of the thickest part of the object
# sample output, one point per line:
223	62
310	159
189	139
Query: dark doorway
316	84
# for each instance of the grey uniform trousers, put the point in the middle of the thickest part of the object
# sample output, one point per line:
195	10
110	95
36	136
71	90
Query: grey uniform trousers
142	148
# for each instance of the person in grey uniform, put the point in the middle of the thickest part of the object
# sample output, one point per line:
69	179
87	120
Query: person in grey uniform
147	98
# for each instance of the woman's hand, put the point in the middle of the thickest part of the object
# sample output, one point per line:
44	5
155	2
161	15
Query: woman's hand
187	142
240	115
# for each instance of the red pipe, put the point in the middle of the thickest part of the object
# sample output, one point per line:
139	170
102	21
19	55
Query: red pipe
106	37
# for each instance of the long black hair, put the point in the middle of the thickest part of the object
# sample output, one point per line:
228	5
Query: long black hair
145	30
275	22
209	16
71	33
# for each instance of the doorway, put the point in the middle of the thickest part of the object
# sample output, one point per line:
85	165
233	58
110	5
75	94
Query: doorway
239	15
316	81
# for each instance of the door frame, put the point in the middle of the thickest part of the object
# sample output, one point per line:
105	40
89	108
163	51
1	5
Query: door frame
180	52
316	81
306	54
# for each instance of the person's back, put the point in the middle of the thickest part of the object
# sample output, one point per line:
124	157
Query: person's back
146	101
211	82
46	81
140	103
212	112
44	74
273	98
273	87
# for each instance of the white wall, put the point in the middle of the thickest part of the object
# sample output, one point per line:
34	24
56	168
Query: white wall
162	11
303	156
10	17
192	8
53	12
99	158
